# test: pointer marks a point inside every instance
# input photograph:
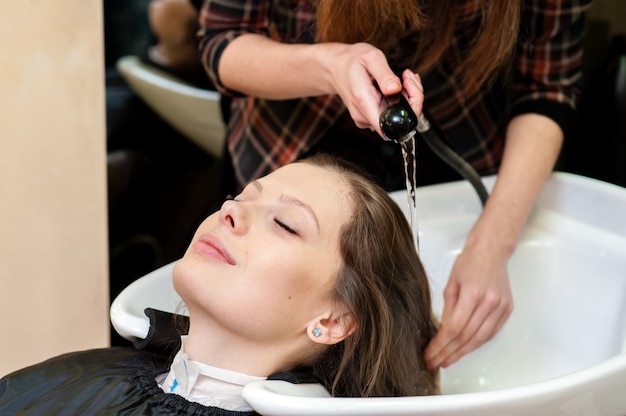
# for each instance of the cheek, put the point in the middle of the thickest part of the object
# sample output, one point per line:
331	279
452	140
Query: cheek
297	279
275	276
274	281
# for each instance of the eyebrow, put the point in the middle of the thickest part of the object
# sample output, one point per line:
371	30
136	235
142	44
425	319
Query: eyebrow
293	201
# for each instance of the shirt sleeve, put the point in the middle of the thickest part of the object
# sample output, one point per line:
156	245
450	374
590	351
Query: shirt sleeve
222	21
548	60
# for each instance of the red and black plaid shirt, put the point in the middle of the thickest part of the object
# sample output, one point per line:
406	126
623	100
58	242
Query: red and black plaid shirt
264	135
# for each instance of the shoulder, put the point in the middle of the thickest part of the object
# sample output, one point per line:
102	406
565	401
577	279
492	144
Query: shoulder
122	361
71	380
107	381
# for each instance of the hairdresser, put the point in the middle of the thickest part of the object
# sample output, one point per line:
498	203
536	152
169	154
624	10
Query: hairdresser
499	78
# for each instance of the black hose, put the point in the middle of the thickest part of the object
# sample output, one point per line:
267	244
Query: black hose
452	158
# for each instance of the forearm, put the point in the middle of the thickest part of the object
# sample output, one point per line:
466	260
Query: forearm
533	143
256	65
358	73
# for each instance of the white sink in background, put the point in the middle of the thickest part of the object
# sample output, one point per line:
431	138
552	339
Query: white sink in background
194	112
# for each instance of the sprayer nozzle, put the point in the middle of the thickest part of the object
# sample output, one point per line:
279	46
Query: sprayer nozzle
398	121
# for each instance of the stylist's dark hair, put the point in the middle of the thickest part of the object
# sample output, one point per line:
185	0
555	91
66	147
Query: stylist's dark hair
383	283
416	34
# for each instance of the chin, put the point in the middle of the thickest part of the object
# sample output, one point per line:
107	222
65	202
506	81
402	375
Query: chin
185	276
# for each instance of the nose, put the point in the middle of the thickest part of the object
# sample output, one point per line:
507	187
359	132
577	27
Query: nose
235	216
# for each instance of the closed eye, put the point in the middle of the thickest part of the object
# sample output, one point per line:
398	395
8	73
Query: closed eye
285	227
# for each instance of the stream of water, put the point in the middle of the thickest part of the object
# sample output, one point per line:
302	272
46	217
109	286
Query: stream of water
410	172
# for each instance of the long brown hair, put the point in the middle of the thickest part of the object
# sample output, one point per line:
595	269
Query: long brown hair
416	34
383	283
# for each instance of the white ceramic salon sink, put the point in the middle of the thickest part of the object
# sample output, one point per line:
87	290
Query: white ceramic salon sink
562	351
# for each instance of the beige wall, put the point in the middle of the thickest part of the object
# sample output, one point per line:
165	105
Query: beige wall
53	247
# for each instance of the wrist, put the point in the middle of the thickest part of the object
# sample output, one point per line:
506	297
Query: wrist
491	238
326	57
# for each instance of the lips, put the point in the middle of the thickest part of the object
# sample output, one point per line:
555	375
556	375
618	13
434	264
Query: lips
212	247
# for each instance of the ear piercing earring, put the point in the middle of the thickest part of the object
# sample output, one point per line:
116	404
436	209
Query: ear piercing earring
317	332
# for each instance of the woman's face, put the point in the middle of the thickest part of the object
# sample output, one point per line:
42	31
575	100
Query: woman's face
263	265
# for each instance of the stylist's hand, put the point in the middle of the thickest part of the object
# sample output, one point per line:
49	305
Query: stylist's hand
477	303
356	70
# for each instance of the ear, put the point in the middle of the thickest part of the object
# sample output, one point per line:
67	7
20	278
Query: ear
331	329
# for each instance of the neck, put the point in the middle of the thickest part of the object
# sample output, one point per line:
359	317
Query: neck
214	346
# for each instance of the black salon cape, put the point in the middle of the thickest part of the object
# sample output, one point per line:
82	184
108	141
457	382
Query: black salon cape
110	381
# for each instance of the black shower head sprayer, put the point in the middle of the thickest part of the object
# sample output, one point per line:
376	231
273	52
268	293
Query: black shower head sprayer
398	121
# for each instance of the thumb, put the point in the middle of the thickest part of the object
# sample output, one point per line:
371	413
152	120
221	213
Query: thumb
388	83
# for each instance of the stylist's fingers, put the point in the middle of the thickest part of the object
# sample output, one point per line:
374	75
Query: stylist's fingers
477	330
362	77
377	66
454	322
486	332
443	336
387	82
412	84
475	319
366	110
